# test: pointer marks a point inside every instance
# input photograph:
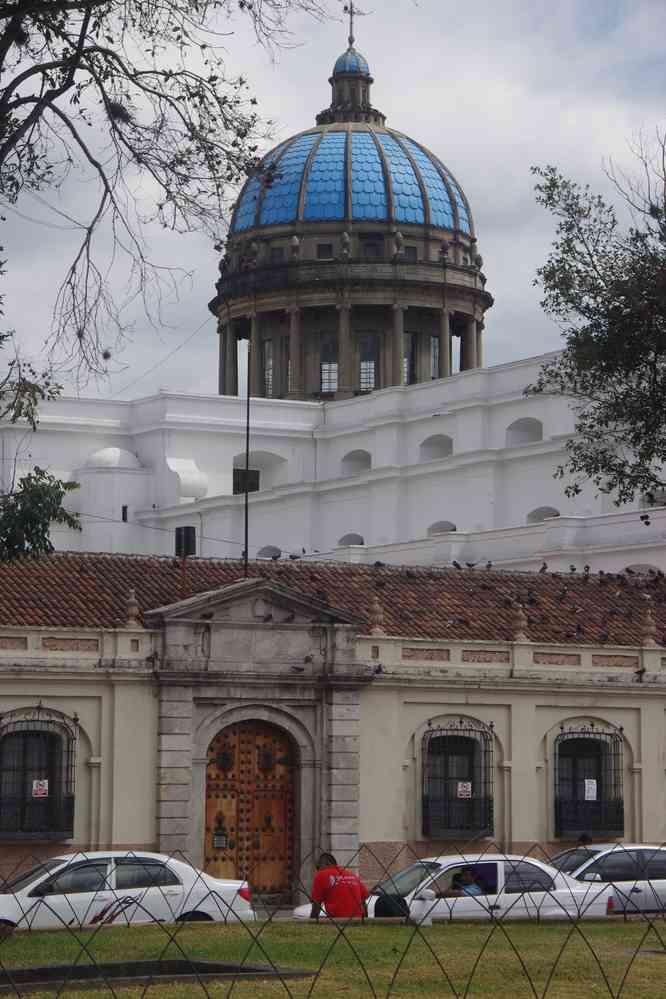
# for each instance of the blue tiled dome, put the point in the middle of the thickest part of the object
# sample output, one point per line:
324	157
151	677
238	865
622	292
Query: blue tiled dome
351	61
393	179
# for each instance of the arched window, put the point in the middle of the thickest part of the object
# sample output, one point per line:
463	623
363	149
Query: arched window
356	463
37	774
269	551
458	779
437	446
524	431
542	513
351	539
588	781
441	527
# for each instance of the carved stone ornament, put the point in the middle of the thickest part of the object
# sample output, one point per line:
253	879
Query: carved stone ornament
295	245
376	617
132	609
648	626
519	624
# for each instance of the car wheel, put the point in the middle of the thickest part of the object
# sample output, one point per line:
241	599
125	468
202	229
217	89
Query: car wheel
195	917
6	928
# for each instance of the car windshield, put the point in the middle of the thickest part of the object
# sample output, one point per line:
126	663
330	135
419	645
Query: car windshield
571	860
21	881
406	881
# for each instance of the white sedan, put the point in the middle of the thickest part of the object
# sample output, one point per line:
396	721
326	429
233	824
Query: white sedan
486	886
112	887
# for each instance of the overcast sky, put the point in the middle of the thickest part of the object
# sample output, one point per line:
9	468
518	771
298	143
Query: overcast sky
491	87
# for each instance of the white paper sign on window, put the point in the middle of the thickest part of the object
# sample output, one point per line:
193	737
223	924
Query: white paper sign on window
464	789
590	790
40	789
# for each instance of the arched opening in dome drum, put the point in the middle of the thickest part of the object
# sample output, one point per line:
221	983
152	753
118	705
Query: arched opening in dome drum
542	513
435	447
524	431
356	463
441	527
350	539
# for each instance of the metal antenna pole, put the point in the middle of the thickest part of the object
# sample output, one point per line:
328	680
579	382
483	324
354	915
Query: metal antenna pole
247	464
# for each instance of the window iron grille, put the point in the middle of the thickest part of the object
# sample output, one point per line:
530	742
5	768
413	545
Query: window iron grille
268	368
328	366
37	774
588	781
369	352
458	776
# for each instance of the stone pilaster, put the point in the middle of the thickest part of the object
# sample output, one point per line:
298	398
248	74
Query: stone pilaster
174	768
344	734
296	387
346	380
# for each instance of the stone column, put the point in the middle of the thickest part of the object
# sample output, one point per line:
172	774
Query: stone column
479	344
295	386
468	345
255	371
344	730
222	332
230	360
346	379
398	349
444	344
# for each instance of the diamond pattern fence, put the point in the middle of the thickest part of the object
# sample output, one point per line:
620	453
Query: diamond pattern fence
471	922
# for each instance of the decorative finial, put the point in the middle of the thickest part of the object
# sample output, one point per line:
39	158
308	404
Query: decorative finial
648	625
519	623
353	11
376	617
132	609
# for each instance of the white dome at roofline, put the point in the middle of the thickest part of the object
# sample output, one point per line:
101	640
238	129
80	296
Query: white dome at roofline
113	457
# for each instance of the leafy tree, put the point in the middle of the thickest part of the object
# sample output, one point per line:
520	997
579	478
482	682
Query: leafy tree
605	283
26	514
134	97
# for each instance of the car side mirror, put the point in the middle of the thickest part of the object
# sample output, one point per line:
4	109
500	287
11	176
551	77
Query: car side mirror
426	895
590	876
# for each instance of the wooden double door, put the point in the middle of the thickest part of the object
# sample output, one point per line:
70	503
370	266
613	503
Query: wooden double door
250	806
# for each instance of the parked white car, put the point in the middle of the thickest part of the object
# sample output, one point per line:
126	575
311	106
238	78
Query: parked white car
635	871
113	887
484	886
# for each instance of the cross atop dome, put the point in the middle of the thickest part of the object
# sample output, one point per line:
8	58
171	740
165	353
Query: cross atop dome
351	82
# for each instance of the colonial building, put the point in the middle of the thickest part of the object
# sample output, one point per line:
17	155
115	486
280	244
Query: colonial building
175	704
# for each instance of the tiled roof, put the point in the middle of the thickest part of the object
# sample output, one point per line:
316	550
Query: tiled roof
76	590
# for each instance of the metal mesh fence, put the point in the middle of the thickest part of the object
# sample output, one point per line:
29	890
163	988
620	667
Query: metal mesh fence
471	922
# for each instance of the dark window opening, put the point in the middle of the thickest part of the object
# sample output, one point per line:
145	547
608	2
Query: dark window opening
123	514
252	481
87	877
411	254
369	354
37	770
458	780
324	251
521	876
372	249
434	357
186	541
328	364
268	368
143	873
277	254
588	783
410	341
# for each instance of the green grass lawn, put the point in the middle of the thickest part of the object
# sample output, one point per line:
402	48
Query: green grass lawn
508	961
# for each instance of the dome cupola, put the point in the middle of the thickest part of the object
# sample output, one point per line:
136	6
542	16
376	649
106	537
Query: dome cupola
351	83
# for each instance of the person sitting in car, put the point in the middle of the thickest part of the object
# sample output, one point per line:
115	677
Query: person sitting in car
464	883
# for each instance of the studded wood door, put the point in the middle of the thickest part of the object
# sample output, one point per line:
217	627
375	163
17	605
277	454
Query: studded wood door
250	806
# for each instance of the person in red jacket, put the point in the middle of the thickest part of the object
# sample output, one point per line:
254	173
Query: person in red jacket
338	890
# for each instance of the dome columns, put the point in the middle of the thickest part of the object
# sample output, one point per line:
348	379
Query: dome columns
294	380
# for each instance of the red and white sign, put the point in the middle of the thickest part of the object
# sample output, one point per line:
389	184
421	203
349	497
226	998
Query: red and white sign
464	789
40	789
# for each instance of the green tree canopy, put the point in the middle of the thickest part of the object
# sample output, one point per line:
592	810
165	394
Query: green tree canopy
605	283
27	513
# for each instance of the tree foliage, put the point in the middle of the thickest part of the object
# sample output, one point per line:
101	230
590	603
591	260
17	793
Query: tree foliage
605	283
135	96
27	513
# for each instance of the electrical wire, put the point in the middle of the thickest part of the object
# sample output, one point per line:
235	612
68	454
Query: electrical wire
163	360
164	530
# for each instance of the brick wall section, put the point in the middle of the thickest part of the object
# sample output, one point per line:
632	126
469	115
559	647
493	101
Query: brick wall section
174	768
343	778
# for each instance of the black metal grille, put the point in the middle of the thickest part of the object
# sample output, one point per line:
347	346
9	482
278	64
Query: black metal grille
37	774
458	780
588	781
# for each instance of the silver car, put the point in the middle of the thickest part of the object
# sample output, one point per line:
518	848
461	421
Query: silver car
484	886
636	872
101	888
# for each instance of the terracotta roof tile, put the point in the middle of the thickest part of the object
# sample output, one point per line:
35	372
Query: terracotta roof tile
90	590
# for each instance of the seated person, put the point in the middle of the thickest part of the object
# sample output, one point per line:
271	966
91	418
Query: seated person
464	883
